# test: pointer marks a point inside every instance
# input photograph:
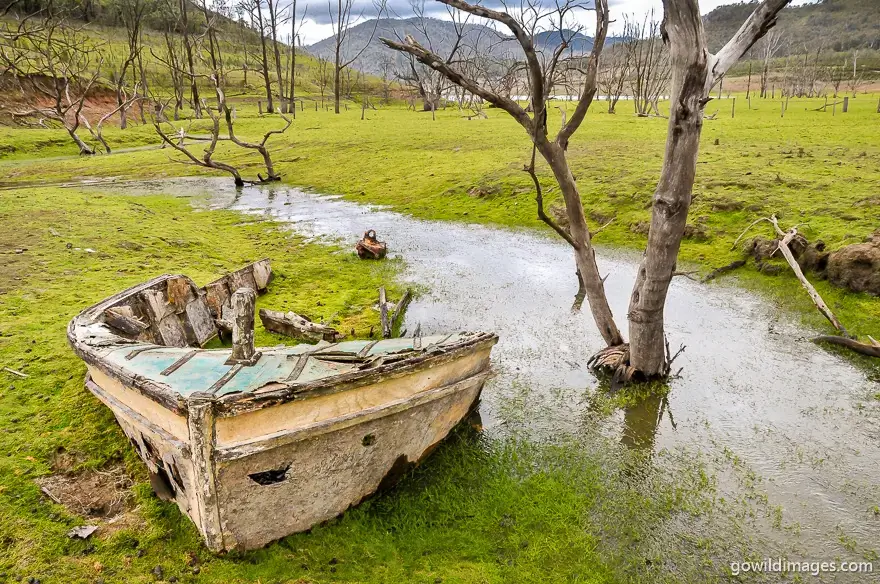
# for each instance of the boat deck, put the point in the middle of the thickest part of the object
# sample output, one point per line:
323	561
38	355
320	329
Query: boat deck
185	370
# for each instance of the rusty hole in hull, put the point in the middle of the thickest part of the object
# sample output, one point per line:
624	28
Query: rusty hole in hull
270	477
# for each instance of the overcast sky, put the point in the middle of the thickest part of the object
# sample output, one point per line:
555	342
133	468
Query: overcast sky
317	23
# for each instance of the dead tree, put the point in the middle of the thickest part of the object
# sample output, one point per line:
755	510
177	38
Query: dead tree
541	73
276	19
55	62
613	75
295	28
855	80
694	72
321	75
183	23
255	8
131	13
422	79
97	130
341	23
649	63
223	114
768	47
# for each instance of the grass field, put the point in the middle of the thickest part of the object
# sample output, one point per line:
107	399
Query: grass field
500	510
808	167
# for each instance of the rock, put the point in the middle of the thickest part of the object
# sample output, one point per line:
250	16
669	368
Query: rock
82	532
158	572
857	266
130	245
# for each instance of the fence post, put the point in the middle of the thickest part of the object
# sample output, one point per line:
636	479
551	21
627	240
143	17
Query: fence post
260	107
733	108
845	104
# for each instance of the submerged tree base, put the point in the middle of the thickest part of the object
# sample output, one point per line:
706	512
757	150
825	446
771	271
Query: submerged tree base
615	361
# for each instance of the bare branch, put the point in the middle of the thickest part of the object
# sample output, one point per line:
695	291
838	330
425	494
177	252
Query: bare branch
756	26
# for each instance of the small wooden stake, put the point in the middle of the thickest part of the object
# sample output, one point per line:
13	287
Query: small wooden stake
733	108
260	107
383	313
845	104
243	304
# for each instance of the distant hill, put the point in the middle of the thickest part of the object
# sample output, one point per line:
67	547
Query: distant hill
837	25
442	38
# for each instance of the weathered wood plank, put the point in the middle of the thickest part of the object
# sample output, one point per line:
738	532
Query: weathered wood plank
297	326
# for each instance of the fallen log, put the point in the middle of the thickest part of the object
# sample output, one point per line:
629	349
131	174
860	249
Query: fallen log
872	350
297	327
723	270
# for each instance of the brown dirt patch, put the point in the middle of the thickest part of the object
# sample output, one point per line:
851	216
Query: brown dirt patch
97	494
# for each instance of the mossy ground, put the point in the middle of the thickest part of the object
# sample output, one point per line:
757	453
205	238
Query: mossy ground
483	510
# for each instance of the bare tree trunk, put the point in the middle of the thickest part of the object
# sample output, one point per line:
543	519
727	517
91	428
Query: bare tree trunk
585	257
292	92
672	198
691	83
273	21
187	43
337	87
83	147
266	79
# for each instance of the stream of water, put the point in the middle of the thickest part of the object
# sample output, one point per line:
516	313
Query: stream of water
799	423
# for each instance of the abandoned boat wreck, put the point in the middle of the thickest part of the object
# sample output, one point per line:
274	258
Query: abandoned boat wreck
256	447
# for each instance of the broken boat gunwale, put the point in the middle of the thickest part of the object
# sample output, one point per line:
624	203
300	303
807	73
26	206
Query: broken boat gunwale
239	402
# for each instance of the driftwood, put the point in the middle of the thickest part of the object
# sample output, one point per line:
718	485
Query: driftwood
370	248
390	321
872	350
814	295
297	327
844	339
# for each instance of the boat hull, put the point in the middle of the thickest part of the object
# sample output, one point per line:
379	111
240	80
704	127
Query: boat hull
246	479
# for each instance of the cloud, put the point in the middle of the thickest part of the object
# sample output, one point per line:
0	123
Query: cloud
317	25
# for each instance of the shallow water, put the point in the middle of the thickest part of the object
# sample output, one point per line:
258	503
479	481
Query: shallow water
790	427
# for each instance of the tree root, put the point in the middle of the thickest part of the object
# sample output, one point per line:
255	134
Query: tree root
614	361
